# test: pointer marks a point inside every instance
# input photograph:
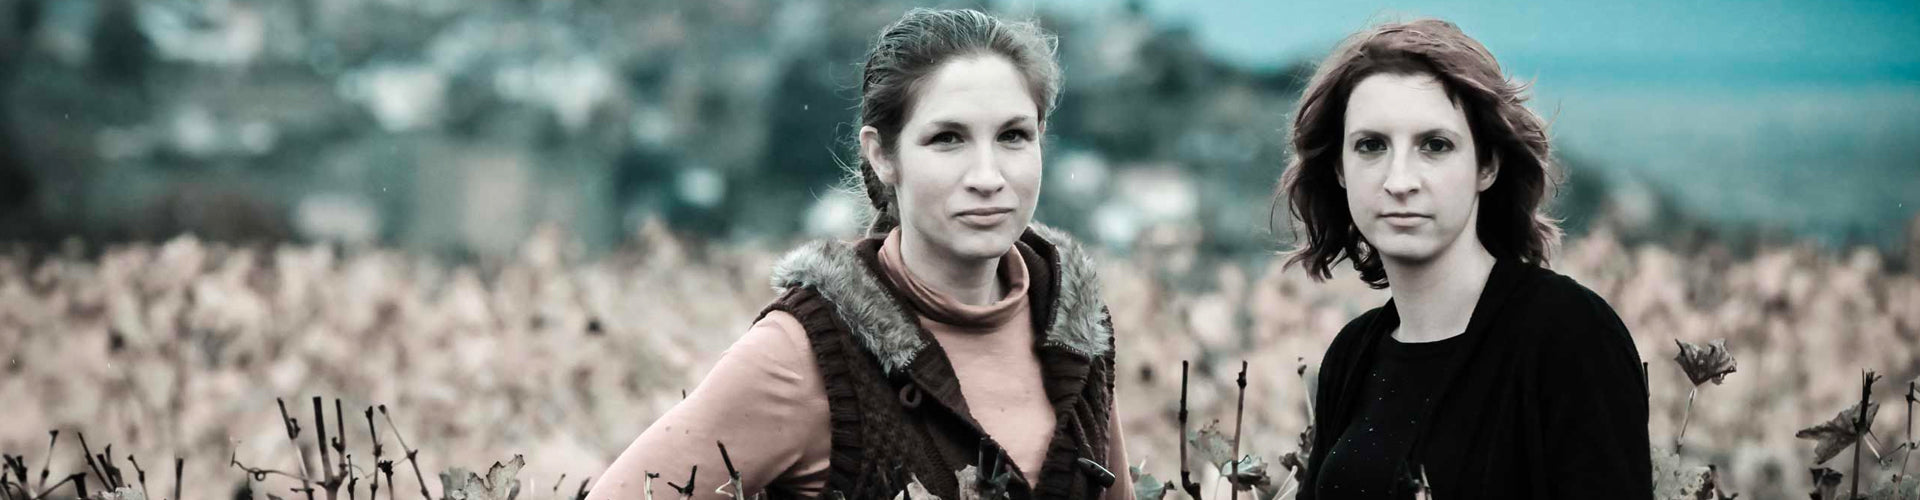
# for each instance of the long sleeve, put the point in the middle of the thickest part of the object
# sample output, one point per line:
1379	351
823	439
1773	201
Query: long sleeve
765	399
1325	395
1595	420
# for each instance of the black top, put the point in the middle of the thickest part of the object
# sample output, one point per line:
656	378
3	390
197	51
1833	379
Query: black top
1371	453
1543	396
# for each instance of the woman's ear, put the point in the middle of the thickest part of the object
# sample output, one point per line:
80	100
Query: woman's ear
875	153
1489	173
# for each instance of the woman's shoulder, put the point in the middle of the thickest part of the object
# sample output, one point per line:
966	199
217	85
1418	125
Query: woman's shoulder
819	262
777	341
1081	321
1566	316
840	274
1552	297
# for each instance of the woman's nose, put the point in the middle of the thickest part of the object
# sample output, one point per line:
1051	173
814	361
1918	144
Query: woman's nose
1401	180
983	173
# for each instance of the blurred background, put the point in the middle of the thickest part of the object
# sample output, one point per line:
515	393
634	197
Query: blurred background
526	225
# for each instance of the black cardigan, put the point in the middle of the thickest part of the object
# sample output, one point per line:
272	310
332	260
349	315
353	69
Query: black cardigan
1547	399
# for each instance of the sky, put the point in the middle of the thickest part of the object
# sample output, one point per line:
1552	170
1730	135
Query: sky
1798	115
1772	41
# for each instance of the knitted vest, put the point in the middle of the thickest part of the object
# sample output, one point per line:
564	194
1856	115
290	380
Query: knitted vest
897	413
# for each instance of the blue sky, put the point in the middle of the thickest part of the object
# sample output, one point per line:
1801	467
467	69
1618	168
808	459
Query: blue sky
1798	115
1769	42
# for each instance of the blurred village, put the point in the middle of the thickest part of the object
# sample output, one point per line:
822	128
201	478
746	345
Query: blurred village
527	226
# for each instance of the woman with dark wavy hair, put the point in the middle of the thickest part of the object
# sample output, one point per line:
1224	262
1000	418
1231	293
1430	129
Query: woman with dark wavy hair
957	336
1486	375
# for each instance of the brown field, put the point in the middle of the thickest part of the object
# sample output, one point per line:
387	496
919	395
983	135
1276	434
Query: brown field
181	348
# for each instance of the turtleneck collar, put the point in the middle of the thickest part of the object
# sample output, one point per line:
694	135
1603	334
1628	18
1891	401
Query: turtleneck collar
943	308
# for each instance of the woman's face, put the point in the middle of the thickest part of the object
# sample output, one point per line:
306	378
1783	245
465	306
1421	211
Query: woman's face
966	168
1409	167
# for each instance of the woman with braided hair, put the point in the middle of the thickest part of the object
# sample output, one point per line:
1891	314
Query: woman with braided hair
956	334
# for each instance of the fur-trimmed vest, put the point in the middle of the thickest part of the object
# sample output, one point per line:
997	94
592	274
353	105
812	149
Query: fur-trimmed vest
897	413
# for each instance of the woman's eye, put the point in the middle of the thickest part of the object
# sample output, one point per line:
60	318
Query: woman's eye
1437	145
945	138
1015	136
1370	145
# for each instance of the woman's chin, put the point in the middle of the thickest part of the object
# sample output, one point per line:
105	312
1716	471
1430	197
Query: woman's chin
982	244
1405	249
982	249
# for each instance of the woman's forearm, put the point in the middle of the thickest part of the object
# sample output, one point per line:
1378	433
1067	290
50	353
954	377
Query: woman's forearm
764	399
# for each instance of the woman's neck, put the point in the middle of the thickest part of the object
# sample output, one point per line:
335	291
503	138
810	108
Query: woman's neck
1436	297
970	281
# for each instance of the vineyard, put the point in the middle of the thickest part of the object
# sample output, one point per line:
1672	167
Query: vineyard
550	362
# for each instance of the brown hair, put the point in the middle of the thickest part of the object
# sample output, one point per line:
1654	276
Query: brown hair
917	45
1511	224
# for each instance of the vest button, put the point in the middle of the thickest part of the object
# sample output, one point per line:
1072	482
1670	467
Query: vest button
910	396
1099	474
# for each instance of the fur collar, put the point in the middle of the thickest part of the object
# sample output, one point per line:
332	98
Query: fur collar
836	272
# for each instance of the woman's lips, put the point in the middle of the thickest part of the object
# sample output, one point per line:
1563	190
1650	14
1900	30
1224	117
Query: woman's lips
1405	219
984	217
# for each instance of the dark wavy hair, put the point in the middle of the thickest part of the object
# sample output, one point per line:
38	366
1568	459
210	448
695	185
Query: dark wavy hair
909	50
1512	224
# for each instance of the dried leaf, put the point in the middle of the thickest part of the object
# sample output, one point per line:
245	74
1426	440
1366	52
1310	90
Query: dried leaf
1249	472
1272	492
1212	445
500	483
969	479
1711	363
1423	487
1292	461
453	482
1705	485
123	493
1306	445
1670	475
1837	434
501	478
915	491
1147	487
974	487
728	489
1896	490
1826	483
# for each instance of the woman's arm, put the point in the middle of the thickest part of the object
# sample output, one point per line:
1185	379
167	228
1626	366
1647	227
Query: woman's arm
1595	420
1326	389
765	399
1117	456
1318	447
